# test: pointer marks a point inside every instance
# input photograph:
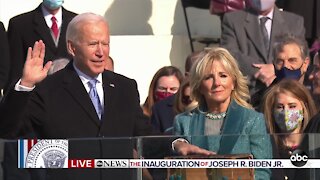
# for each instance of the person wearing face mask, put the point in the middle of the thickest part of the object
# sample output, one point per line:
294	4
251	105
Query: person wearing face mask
250	34
23	31
81	101
163	111
183	102
165	83
287	107
291	60
27	28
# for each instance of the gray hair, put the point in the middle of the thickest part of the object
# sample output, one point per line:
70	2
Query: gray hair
289	39
73	29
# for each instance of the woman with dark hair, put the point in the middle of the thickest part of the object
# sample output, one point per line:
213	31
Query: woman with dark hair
165	83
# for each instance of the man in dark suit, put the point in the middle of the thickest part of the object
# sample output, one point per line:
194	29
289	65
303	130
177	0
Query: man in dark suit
25	29
4	72
61	106
251	42
4	59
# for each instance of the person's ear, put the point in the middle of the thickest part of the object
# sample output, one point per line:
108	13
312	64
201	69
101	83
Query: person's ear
316	58
70	48
305	65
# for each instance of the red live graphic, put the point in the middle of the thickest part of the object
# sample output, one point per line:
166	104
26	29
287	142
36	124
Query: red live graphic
81	163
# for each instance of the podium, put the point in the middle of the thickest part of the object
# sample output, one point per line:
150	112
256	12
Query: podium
211	173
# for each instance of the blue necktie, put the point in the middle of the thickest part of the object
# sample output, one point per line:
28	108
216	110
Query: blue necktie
95	97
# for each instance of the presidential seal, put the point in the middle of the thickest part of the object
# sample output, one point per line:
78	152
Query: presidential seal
48	154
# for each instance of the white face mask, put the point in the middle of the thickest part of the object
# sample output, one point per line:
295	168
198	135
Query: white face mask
262	5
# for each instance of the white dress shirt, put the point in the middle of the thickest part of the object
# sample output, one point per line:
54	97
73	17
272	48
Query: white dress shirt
268	22
99	86
48	16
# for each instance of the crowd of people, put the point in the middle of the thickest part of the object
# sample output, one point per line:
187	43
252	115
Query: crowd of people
58	82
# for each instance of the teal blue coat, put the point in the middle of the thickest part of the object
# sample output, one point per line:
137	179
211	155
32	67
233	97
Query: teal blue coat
243	131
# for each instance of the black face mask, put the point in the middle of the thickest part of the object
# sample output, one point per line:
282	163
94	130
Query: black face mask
186	100
285	73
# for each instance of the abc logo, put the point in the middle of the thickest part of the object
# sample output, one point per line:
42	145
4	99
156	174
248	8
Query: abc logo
99	163
299	158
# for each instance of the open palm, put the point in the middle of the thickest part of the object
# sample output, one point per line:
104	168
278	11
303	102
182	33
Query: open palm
33	70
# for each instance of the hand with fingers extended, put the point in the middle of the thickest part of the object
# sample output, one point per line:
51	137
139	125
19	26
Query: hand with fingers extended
33	70
184	148
265	74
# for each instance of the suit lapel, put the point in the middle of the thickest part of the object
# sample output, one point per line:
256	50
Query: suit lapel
42	29
232	127
109	90
254	34
76	89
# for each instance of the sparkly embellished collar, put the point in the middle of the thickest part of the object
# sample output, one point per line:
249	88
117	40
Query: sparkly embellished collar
218	116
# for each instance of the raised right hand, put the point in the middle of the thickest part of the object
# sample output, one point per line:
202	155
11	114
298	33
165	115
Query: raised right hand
33	70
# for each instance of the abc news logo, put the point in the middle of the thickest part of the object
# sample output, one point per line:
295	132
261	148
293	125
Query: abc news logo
299	158
116	163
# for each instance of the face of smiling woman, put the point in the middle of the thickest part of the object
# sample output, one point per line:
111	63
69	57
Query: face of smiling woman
91	51
216	86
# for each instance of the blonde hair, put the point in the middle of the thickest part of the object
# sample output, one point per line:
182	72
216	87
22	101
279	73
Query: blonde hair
240	94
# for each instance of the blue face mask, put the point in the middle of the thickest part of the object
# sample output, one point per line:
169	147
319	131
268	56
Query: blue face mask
53	4
285	73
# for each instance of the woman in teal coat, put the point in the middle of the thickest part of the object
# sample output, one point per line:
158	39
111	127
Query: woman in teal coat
222	121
